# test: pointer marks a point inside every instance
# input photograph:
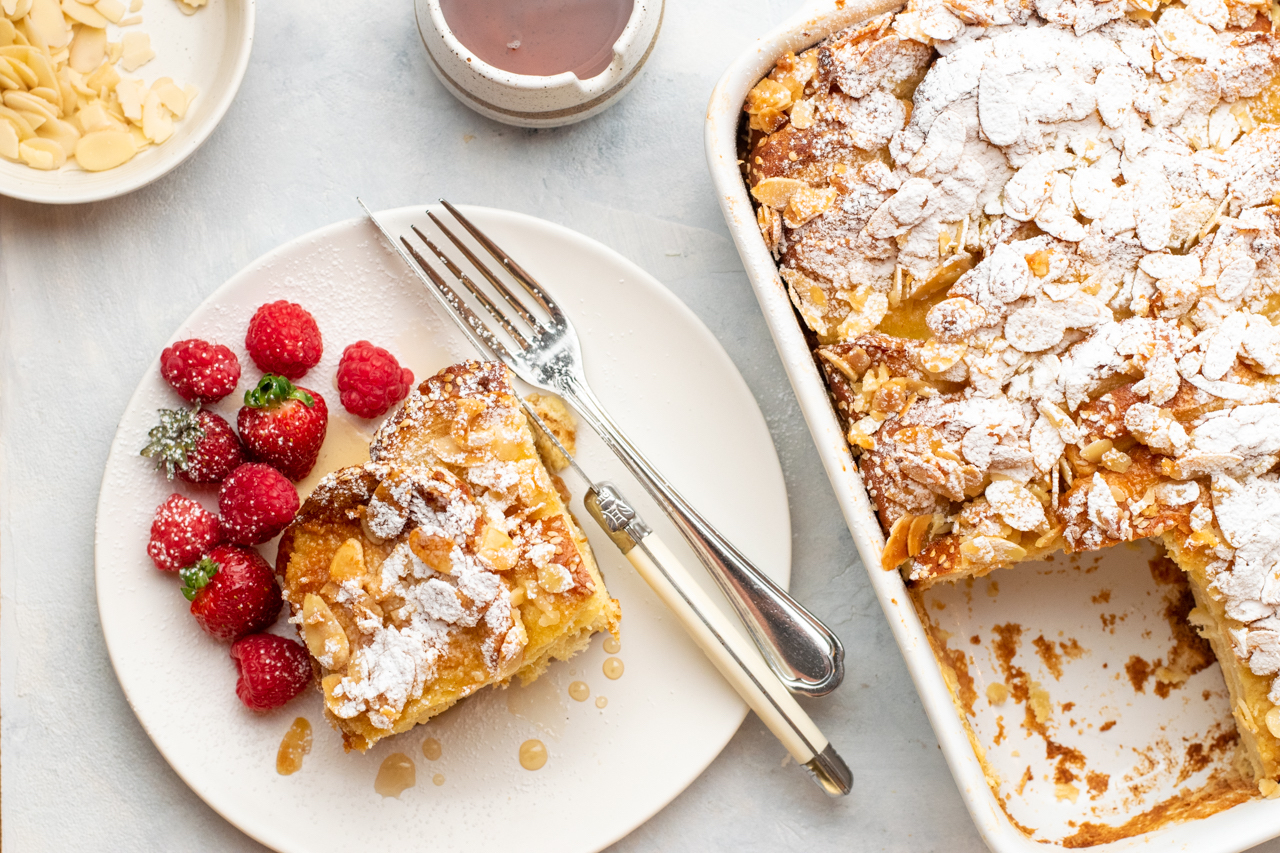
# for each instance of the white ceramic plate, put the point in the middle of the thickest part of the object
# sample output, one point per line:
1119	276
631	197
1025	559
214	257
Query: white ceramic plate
209	50
1051	610
667	381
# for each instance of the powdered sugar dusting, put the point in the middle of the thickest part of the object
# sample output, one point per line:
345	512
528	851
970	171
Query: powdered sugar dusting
1087	209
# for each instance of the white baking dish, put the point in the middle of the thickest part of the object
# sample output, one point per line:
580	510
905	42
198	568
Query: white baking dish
1062	605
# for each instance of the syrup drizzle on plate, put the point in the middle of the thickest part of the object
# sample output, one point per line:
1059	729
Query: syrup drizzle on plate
396	775
295	744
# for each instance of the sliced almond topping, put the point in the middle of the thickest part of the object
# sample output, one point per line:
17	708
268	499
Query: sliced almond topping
936	357
1116	460
895	548
348	562
497	549
325	638
435	551
992	551
807	203
918	535
777	192
1093	452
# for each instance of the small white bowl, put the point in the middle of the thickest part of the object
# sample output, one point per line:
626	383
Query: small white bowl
209	50
531	101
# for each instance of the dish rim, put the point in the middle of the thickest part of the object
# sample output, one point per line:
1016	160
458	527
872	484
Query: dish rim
1227	831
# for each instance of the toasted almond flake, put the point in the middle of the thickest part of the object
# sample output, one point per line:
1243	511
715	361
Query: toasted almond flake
936	357
918	535
1095	449
777	192
806	204
1117	460
895	547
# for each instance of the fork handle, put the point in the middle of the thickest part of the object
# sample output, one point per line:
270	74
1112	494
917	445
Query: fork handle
804	654
728	650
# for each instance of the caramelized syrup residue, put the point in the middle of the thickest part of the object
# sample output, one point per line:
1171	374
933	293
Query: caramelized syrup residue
396	774
431	749
612	646
533	754
437	779
293	746
579	691
908	319
613	668
601	702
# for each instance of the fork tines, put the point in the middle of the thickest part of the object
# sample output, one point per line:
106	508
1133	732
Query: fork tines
522	338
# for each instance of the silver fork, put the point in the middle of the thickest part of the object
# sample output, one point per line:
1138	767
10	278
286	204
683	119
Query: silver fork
805	655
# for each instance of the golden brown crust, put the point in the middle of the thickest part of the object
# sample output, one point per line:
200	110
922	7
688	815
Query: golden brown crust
452	549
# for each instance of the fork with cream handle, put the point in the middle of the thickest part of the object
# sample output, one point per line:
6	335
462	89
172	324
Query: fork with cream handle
759	684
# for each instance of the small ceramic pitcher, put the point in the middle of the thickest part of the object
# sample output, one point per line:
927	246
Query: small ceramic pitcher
531	101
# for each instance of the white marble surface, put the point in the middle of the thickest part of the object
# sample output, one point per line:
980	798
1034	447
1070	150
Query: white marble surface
338	101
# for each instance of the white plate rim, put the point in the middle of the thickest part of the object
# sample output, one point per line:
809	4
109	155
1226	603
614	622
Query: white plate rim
69	194
122	447
1228	831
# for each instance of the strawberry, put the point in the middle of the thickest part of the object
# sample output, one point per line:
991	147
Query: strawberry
232	592
255	503
196	444
272	670
182	532
199	371
283	426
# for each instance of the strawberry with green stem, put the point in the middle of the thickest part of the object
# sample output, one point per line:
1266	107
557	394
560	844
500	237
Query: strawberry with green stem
283	425
232	592
196	444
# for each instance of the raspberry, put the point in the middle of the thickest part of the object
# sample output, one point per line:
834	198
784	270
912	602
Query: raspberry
272	670
199	371
370	380
283	338
199	446
255	503
181	533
